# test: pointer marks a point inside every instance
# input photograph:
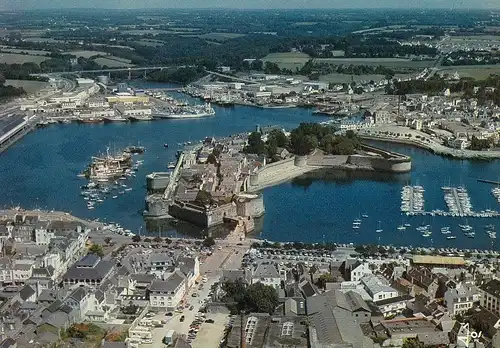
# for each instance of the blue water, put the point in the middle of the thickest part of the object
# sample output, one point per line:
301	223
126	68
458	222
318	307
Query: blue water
40	171
323	208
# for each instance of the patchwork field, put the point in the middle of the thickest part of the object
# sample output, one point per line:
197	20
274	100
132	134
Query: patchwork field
287	60
87	54
478	72
19	50
13	58
386	62
292	60
112	63
29	86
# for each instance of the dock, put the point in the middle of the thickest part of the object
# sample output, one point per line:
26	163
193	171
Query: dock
489	181
412	200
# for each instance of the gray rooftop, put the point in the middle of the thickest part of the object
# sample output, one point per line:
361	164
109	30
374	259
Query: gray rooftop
266	271
168	285
98	272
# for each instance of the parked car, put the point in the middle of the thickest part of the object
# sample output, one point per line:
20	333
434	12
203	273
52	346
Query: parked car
210	321
182	318
169	314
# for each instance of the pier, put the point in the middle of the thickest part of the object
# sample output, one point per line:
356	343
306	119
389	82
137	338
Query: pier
14	134
458	201
412	200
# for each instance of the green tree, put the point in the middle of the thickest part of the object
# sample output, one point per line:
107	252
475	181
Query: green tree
157	239
208	242
323	279
96	249
261	298
279	137
412	343
257	65
136	239
255	144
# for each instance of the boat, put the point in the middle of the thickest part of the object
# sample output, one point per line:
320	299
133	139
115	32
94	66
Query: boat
171	165
355	227
135	149
114	118
137	118
186	112
379	230
90	120
451	237
165	145
114	197
128	189
357	220
401	228
364	216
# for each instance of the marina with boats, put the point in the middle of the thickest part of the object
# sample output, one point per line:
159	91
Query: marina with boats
107	175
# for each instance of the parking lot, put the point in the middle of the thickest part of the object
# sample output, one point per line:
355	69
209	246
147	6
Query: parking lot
194	324
211	334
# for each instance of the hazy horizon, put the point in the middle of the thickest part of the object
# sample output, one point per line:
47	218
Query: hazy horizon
251	4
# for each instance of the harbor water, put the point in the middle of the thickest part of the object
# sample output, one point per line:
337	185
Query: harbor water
41	171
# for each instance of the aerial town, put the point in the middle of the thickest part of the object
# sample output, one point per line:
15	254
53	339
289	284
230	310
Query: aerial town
249	178
63	278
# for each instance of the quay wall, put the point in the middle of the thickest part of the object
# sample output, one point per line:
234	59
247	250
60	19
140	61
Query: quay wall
156	206
271	169
253	207
387	161
201	216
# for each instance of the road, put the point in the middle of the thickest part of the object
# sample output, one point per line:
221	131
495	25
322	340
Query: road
225	256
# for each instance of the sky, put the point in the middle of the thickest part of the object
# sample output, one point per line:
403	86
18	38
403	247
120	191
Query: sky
246	4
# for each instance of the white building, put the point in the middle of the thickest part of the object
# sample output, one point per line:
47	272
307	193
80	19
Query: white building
167	294
490	298
394	305
458	300
267	274
360	270
376	288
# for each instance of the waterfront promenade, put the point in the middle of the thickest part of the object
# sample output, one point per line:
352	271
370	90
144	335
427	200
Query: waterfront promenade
377	133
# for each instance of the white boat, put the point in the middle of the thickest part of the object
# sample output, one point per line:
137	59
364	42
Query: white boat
128	189
364	216
401	227
451	237
115	197
379	230
189	112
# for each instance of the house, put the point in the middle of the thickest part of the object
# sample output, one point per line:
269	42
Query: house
141	280
168	293
354	270
423	278
335	320
459	299
267	274
490	298
350	302
190	267
377	290
159	263
399	330
90	270
394	305
281	153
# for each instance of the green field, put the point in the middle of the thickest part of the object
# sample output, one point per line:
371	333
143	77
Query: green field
287	60
386	62
112	63
478	72
345	78
215	36
149	43
29	86
87	54
19	50
13	58
292	60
